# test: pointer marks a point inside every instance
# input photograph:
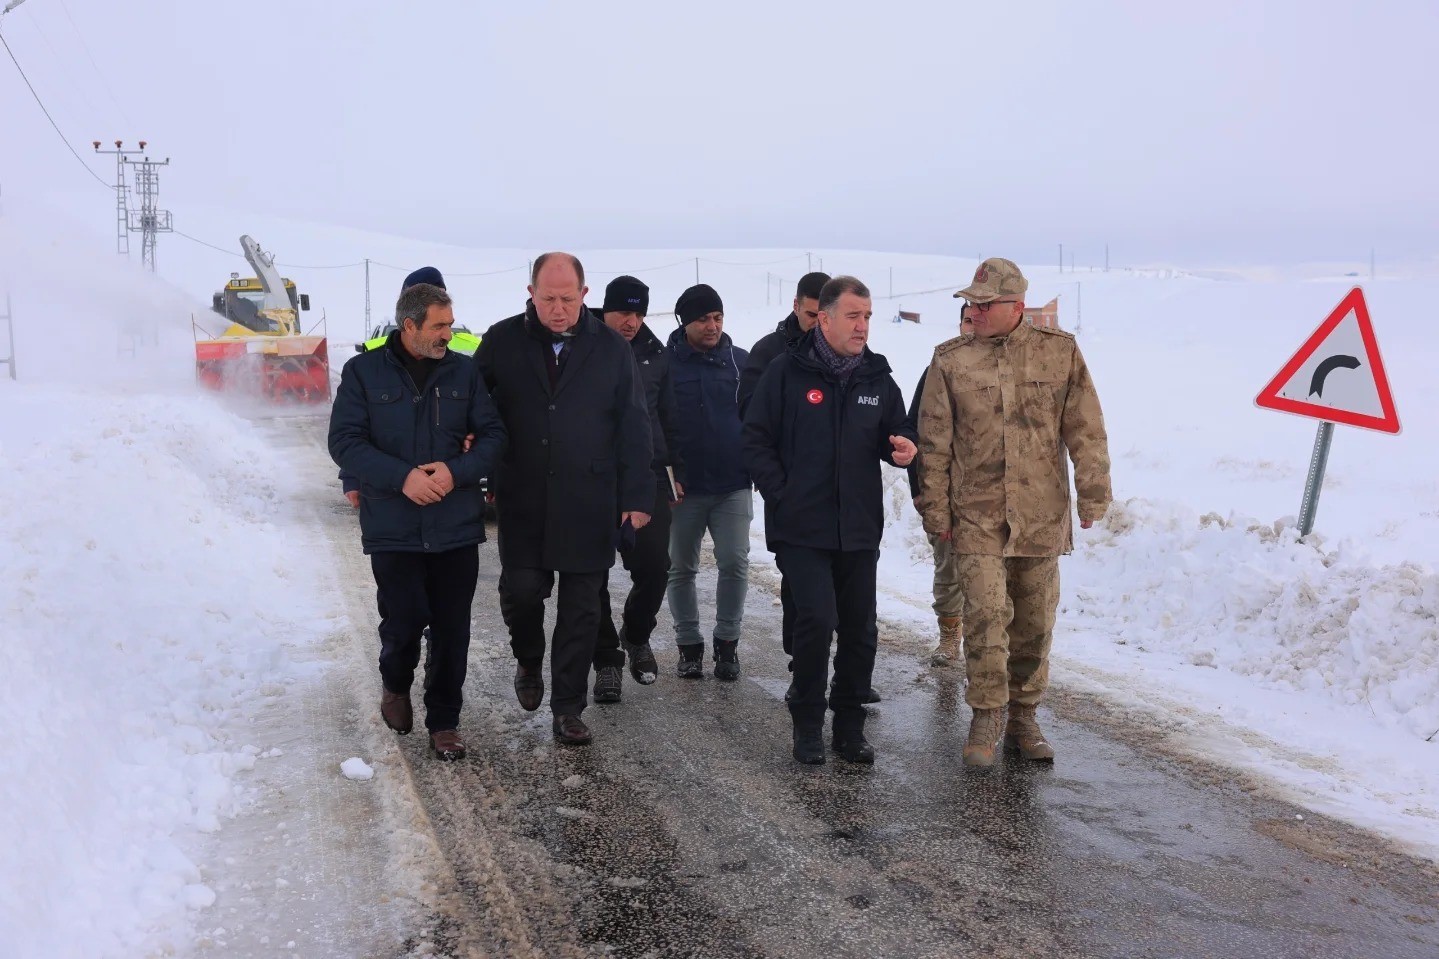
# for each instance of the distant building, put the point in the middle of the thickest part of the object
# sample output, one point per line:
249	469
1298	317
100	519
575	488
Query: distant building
1046	315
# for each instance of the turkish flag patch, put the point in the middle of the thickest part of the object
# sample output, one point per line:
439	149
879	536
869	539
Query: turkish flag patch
815	397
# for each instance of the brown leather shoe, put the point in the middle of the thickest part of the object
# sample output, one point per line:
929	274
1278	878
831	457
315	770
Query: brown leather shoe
396	711
571	731
447	744
530	685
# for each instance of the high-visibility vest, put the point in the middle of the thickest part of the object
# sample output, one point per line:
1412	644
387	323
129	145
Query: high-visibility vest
460	342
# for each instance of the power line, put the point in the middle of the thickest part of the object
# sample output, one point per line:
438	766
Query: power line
218	249
58	133
86	47
783	259
288	266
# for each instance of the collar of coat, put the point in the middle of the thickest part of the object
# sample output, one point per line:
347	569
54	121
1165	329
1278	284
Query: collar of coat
871	364
585	325
646	343
684	351
789	327
1017	335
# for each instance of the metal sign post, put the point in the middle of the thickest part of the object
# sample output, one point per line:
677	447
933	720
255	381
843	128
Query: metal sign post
1315	481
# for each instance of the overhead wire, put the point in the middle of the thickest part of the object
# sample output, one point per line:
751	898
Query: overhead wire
43	109
86	47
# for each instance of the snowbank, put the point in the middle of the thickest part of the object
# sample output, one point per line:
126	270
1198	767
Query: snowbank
146	603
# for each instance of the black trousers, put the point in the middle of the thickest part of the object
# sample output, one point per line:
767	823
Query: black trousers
833	591
648	564
523	592
427	589
786	619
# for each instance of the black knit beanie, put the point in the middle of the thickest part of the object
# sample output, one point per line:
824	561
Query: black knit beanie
625	294
699	300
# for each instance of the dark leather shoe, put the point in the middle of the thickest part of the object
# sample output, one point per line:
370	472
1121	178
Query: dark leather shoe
871	697
530	685
809	745
396	711
447	744
571	731
853	747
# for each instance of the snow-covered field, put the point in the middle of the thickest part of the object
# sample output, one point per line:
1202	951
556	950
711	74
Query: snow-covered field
151	593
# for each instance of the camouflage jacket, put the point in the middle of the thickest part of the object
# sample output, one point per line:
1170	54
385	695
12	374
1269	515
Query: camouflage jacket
995	421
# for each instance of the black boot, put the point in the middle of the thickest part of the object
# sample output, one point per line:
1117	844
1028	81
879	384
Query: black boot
849	741
692	662
726	660
809	741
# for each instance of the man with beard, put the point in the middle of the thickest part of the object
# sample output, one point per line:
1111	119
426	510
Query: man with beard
705	367
399	426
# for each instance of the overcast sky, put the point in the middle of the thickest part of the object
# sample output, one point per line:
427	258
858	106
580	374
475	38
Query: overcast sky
1194	132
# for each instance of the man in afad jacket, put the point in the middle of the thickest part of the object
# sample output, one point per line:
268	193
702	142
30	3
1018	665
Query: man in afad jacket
820	422
627	300
575	480
1001	407
705	368
398	426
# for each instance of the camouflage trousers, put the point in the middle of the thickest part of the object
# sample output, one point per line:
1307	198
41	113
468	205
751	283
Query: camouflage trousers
948	600
1009	610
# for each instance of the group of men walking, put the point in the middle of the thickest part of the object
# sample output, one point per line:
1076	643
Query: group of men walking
599	438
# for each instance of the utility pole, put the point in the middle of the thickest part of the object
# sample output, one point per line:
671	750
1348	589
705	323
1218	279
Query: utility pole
9	319
152	221
367	298
122	216
1106	258
808	264
1061	257
697	270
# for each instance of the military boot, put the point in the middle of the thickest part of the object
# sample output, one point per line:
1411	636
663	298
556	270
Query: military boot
1023	735
984	731
948	653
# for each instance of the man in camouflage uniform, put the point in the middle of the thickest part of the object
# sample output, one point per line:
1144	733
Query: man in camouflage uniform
1001	407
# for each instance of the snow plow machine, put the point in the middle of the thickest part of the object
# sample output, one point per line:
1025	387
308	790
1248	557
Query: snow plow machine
263	351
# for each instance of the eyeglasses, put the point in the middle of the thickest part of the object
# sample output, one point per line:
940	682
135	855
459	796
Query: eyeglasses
984	307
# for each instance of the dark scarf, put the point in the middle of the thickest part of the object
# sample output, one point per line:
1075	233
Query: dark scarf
840	366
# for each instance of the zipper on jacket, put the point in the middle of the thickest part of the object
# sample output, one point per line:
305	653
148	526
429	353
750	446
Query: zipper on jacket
437	406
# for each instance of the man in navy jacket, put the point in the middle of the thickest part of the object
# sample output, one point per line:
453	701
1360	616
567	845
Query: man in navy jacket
821	420
705	371
398	426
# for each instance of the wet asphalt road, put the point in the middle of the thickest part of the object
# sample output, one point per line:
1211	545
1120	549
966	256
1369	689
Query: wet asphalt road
687	830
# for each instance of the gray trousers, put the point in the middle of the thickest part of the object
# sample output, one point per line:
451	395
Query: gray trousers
727	518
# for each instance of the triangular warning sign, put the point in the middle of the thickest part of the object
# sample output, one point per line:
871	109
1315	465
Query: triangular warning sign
1337	375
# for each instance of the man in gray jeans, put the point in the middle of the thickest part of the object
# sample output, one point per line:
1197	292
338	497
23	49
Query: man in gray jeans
705	371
